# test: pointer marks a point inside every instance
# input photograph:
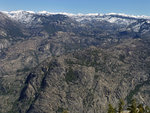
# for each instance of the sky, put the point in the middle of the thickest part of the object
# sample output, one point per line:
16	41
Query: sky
132	7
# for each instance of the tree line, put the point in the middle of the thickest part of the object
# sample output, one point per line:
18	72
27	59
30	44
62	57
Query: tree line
133	107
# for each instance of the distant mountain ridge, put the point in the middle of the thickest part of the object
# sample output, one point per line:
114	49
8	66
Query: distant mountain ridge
27	16
79	14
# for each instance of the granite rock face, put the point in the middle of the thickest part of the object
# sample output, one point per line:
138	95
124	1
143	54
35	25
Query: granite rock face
86	81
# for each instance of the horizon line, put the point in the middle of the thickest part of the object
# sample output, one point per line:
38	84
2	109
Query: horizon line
74	14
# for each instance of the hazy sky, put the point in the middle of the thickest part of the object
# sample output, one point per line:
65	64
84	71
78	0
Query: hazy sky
135	7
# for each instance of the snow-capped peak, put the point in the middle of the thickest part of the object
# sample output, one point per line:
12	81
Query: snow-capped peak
21	16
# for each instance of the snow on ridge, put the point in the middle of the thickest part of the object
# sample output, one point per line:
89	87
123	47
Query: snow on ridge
43	12
21	16
133	16
28	17
71	14
53	13
18	12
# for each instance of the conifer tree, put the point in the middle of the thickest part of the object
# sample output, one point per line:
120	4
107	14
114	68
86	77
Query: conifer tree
147	109
140	108
133	107
111	109
65	111
121	105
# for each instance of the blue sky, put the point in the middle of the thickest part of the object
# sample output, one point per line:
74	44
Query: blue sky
135	7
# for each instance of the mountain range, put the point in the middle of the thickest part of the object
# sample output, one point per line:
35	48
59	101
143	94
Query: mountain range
51	62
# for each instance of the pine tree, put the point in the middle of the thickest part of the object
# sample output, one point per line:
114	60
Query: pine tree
133	107
140	108
111	109
121	105
147	109
65	111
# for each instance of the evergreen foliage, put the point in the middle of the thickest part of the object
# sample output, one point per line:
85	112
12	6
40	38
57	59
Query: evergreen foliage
133	107
121	105
111	109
